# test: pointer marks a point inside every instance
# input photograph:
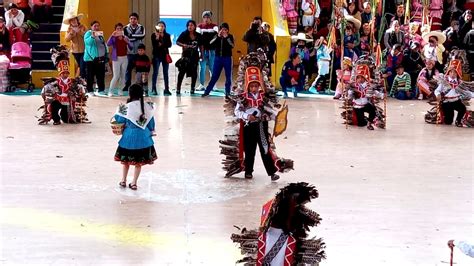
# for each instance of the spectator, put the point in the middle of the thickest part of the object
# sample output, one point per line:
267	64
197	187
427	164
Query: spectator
465	24
224	43
119	43
393	36
270	49
426	75
401	88
394	58
289	11
400	15
95	57
350	42
292	75
191	43
452	36
14	19
208	31
413	35
161	42
4	38
343	77
366	16
323	58
75	35
435	13
464	246
143	65
412	61
364	44
24	6
42	11
469	46
352	10
300	47
255	37
434	48
310	12
135	33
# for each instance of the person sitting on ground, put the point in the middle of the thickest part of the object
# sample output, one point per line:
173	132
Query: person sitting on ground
401	87
426	75
292	75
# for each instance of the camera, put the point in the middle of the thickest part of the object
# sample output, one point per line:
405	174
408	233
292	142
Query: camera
255	26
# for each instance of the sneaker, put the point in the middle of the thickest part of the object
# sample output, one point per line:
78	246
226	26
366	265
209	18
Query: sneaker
110	94
167	93
120	93
274	177
248	176
200	87
204	95
178	93
90	94
420	97
285	95
192	91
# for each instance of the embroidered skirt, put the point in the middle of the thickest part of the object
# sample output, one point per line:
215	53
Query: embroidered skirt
136	157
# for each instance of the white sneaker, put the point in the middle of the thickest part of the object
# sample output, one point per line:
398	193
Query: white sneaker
120	93
200	87
110	94
90	94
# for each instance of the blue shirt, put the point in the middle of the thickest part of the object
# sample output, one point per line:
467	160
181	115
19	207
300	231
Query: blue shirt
133	137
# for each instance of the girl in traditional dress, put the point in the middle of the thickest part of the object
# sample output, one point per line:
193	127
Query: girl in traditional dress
136	145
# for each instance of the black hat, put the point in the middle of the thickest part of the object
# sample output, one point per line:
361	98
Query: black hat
12	5
141	46
224	25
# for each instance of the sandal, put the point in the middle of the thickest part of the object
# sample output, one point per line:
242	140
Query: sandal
132	186
123	184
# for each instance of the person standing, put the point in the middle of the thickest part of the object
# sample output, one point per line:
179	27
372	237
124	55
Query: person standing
161	42
224	43
95	57
4	38
255	37
143	65
191	43
75	35
208	31
135	33
136	144
270	49
119	43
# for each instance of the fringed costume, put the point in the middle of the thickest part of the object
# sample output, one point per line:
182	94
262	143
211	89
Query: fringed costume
64	97
453	94
364	97
282	239
247	116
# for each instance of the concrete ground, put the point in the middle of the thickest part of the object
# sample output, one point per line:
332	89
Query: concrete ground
387	197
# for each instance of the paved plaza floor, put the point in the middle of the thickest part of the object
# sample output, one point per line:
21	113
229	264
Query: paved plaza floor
387	197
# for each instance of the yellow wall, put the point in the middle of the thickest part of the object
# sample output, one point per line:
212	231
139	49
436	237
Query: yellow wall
239	14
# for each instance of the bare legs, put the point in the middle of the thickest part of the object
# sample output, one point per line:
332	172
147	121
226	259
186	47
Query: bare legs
136	174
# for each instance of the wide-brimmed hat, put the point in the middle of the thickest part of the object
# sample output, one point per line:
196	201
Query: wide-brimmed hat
68	17
354	21
300	37
438	34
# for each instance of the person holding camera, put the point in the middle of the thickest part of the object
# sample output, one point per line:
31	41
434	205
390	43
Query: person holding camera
135	33
75	35
95	56
224	43
256	37
119	43
187	65
161	42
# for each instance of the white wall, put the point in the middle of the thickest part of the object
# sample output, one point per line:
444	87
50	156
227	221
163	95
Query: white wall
175	7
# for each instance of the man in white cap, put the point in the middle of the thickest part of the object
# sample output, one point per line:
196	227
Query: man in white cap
208	31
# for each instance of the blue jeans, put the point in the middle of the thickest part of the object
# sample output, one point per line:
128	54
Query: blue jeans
224	62
402	95
156	67
207	60
82	65
285	86
131	65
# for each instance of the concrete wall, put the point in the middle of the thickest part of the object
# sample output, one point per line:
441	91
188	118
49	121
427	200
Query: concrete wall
239	15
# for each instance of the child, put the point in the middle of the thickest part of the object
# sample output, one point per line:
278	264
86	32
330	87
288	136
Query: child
360	100
323	57
142	64
401	87
343	77
136	144
448	97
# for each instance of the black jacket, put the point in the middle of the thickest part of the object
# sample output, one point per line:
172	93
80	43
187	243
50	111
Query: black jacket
222	45
5	40
256	40
160	47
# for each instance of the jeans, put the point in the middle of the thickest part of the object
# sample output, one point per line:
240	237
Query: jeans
119	68
224	62
142	79
95	69
156	67
403	95
285	86
82	65
207	60
130	66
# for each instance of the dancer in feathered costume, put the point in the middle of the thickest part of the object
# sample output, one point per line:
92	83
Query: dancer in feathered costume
363	95
252	104
452	94
64	98
282	239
